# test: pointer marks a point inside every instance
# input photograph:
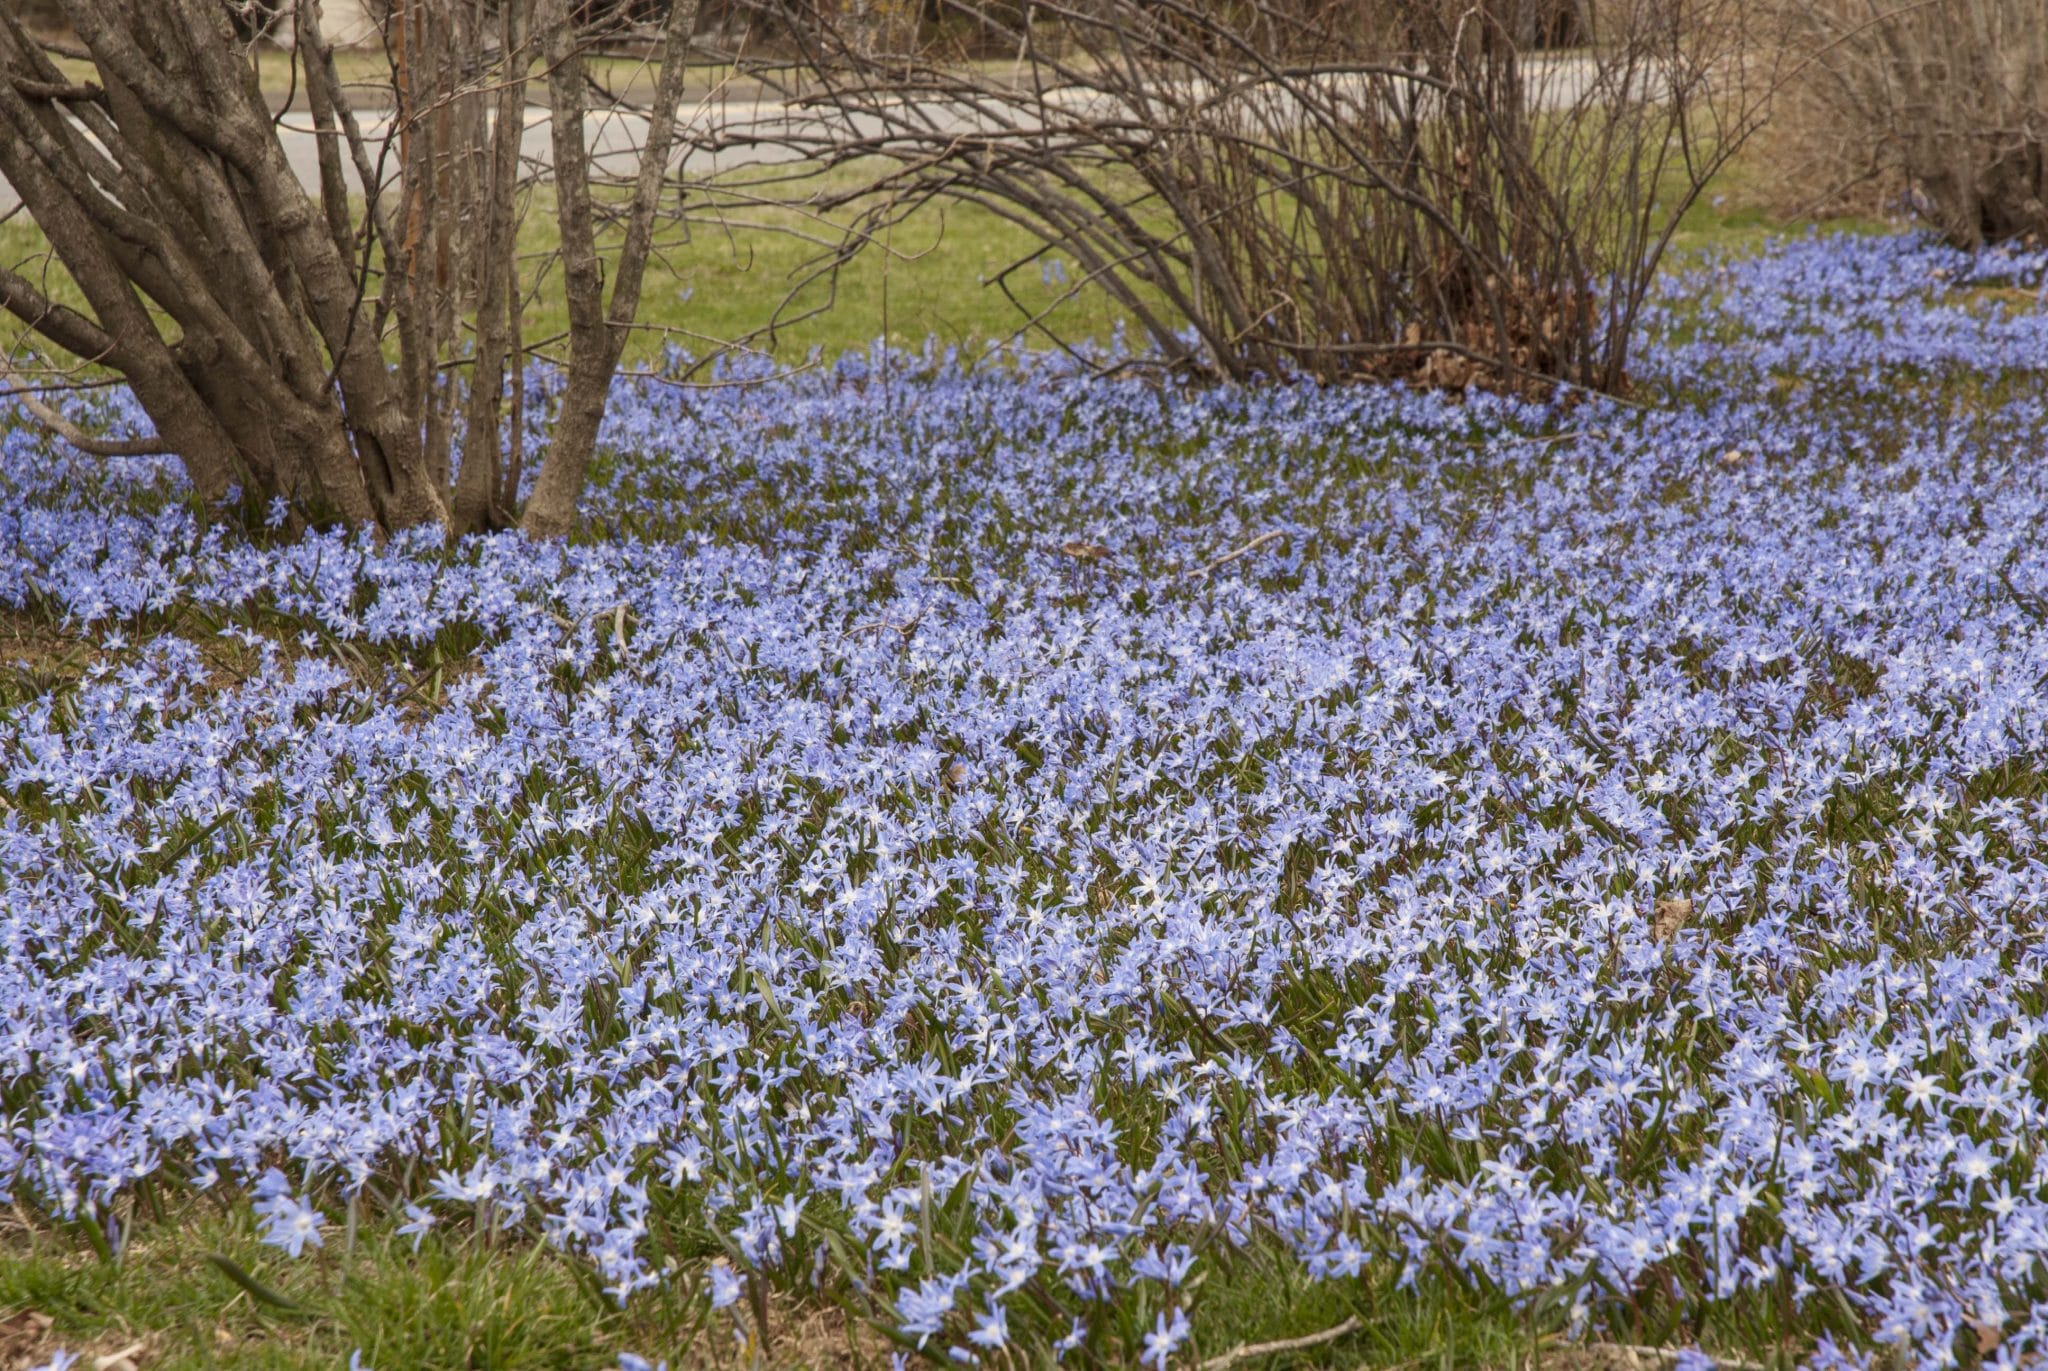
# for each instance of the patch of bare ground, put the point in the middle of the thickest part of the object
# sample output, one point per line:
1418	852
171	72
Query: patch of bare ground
40	653
31	643
822	1338
28	1339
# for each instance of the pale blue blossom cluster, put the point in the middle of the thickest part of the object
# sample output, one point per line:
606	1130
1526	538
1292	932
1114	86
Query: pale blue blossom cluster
999	841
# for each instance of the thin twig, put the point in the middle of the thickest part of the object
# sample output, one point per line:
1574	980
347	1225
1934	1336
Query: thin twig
1246	1351
77	52
1548	439
2034	607
1253	546
905	629
1664	1357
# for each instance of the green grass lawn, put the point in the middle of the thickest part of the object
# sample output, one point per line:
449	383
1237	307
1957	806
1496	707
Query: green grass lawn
733	271
729	271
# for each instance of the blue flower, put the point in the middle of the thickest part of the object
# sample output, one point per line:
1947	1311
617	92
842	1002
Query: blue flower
726	1286
290	1223
847	861
1167	1334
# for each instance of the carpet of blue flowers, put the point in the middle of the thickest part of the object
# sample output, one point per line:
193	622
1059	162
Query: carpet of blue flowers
995	843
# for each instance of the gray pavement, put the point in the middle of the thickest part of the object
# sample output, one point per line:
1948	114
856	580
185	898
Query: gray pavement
732	133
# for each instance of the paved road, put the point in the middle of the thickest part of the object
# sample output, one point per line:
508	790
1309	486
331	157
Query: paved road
756	130
613	140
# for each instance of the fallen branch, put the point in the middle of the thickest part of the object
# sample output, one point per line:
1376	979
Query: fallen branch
1536	439
1246	1351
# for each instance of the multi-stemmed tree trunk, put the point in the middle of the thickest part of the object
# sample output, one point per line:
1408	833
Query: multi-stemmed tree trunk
250	317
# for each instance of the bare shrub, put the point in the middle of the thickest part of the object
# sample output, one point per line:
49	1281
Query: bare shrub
1947	97
1331	186
1805	166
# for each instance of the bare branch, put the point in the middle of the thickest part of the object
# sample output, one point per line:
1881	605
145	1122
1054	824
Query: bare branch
1346	187
1942	103
55	420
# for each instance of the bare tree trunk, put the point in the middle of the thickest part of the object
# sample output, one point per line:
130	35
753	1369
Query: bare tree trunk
597	333
477	500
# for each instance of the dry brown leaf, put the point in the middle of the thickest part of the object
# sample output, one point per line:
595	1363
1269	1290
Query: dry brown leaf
1670	916
1082	551
1989	1336
21	1337
1447	370
1734	457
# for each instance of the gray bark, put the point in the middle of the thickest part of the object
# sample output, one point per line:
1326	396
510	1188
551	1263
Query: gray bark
597	333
